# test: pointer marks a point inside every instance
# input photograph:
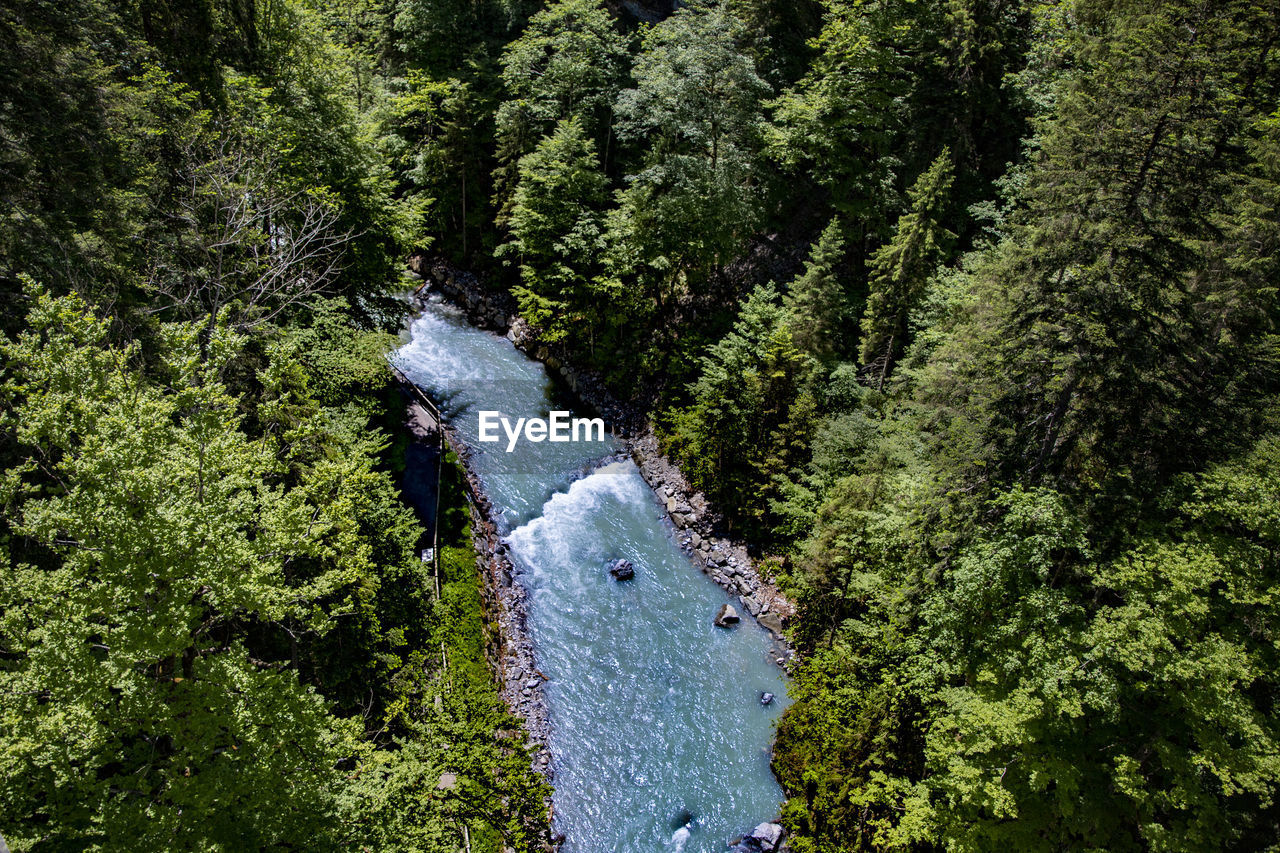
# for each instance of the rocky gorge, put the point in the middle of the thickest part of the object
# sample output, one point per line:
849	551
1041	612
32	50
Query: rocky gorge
692	524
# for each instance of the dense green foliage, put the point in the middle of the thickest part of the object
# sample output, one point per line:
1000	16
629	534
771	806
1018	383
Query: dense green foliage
1039	598
964	312
215	628
556	230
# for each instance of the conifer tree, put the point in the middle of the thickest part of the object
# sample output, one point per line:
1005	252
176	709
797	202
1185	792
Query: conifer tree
697	105
901	268
1118	336
569	61
818	303
556	231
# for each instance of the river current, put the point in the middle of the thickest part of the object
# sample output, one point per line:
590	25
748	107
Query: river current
656	720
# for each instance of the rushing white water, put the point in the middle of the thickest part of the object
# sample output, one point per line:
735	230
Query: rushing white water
659	741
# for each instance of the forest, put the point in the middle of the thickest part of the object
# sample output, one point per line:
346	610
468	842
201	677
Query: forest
962	312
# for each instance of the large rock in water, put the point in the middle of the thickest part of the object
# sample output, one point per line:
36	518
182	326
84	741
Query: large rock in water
622	570
768	836
772	622
727	617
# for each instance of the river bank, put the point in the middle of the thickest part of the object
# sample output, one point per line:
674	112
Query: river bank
509	648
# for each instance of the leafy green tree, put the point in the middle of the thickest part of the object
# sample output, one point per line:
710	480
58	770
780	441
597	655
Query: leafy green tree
778	35
838	122
697	107
199	38
119	212
89	152
844	431
892	81
303	112
213	620
901	268
568	62
147	533
557	234
1177	750
177	589
441	38
459	725
435	140
1050	695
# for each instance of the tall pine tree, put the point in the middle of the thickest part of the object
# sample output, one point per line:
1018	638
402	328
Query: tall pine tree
818	301
901	268
557	234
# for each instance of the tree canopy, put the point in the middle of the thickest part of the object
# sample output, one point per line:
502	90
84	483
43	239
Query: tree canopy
962	313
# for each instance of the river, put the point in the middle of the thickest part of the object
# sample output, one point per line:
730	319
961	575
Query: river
655	713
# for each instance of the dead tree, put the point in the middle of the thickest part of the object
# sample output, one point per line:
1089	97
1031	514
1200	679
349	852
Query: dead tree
245	244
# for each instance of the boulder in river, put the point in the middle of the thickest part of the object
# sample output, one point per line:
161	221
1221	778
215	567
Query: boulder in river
768	836
727	617
766	698
622	570
771	622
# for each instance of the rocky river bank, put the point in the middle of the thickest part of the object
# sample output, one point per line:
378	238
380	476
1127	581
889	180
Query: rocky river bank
508	647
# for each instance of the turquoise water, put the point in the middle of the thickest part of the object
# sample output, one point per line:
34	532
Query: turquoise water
655	713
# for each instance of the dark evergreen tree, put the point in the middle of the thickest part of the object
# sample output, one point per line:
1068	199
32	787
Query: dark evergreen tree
900	269
568	62
557	236
1120	339
818	300
697	108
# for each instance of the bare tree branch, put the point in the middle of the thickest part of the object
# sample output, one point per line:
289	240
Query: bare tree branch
245	243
